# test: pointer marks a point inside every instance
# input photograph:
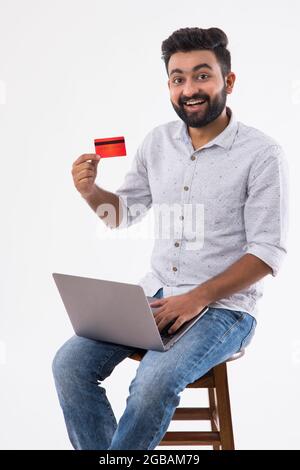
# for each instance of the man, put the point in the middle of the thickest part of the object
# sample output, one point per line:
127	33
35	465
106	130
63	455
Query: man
238	175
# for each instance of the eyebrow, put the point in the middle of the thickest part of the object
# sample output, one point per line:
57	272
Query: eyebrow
194	69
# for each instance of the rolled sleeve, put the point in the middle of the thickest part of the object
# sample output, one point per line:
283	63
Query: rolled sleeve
135	194
266	208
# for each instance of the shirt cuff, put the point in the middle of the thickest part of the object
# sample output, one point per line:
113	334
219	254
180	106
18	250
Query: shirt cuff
271	255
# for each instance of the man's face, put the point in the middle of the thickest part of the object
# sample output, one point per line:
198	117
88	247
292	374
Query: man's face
206	83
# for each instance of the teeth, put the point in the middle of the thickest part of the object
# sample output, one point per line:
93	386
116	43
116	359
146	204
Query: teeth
195	102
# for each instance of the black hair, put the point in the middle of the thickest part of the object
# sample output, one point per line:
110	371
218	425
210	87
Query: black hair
191	39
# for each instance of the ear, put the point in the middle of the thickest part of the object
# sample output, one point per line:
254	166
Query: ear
169	84
229	82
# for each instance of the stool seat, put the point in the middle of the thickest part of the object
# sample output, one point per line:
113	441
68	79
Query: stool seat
218	412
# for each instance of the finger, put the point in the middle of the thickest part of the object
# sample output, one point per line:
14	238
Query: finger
87	179
176	325
159	310
161	324
85	166
85	157
165	322
76	170
85	173
163	319
157	320
157	302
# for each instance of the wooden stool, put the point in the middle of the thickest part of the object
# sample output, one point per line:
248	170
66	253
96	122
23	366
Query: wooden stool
218	413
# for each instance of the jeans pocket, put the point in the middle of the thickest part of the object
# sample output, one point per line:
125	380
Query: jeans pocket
247	340
227	321
237	314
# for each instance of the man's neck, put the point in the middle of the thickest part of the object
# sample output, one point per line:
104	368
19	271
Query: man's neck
200	136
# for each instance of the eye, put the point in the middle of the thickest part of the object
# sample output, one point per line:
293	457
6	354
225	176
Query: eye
174	81
203	75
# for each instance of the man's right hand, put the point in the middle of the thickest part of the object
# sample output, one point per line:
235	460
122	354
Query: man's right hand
84	173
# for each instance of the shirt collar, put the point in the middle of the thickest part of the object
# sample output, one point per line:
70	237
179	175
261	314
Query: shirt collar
224	139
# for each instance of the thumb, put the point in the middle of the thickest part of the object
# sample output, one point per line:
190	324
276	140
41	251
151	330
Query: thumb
97	160
157	302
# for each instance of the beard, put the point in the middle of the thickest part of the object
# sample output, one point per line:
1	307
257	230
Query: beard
212	108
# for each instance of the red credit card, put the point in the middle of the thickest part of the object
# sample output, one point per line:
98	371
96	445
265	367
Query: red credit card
110	147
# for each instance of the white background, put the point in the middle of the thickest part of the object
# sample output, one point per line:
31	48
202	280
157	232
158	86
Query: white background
71	71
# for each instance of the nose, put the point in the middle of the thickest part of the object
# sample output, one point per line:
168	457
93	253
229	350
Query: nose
190	88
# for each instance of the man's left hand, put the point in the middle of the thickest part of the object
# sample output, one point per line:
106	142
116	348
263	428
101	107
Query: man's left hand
180	308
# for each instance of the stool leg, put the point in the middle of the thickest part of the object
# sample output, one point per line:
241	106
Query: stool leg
223	405
213	414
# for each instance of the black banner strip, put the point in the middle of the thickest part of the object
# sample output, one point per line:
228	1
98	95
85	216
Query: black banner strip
106	142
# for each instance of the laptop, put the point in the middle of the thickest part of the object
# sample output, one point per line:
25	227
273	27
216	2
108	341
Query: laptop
115	312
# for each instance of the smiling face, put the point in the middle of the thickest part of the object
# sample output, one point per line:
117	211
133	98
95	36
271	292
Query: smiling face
197	76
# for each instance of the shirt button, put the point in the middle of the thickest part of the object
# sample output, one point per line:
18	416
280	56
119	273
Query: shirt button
193	157
174	268
181	217
176	244
186	188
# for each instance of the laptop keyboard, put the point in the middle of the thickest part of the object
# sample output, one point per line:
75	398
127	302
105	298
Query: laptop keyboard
165	336
165	339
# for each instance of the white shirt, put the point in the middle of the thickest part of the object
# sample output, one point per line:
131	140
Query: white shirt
239	183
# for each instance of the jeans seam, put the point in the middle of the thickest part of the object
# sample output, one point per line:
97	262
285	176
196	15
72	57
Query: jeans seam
232	326
248	334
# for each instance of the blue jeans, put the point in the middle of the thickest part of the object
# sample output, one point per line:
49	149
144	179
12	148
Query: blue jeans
80	364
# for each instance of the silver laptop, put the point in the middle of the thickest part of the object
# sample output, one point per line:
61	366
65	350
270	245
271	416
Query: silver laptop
115	312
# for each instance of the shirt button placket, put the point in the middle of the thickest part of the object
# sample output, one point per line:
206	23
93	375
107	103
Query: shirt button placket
174	268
